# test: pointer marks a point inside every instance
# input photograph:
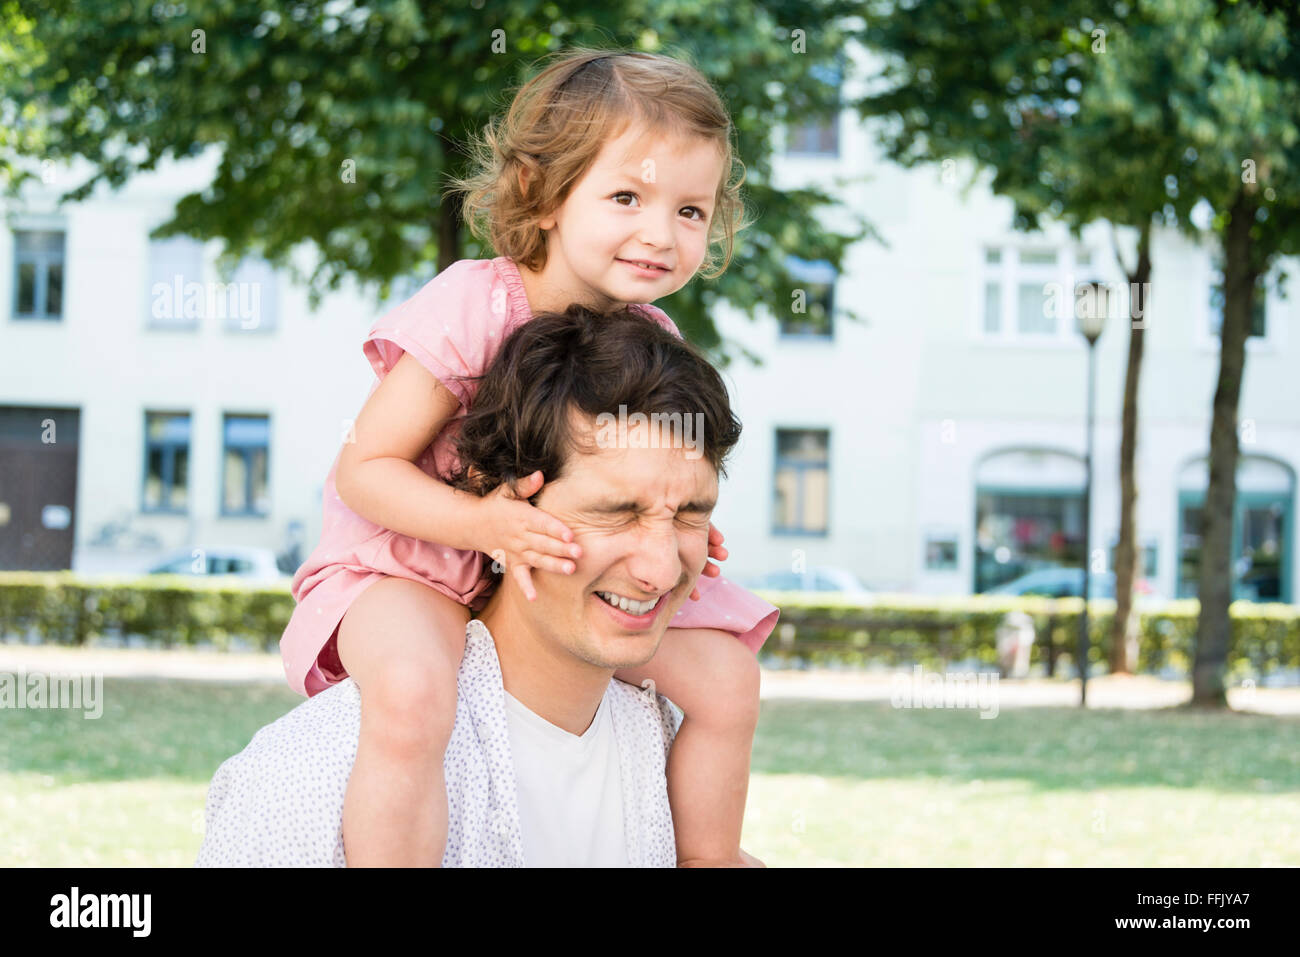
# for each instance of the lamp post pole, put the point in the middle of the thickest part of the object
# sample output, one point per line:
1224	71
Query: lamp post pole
1091	322
1087	529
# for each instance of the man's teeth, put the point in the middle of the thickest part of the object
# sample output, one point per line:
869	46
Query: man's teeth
627	604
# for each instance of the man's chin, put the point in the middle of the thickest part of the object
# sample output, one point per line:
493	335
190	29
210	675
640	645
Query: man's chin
622	647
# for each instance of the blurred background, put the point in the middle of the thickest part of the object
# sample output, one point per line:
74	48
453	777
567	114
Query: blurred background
1011	324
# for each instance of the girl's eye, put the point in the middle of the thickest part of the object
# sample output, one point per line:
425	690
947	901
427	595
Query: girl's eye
699	216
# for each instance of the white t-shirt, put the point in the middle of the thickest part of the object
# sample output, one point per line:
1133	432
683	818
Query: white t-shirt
279	802
570	791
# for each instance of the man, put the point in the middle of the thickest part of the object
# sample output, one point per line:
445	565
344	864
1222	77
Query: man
552	761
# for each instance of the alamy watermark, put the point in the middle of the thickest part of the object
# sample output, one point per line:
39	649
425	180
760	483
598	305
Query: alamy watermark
75	909
684	430
949	689
208	300
42	691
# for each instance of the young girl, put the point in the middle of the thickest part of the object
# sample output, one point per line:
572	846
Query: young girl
607	183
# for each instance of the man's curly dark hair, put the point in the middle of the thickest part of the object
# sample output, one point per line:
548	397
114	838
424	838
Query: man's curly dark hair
592	363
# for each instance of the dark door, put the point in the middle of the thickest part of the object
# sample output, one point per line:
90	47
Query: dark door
38	487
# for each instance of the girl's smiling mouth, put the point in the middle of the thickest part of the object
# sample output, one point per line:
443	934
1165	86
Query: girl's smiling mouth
649	271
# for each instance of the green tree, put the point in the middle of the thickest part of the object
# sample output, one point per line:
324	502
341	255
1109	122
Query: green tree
298	94
1035	99
1128	112
1243	121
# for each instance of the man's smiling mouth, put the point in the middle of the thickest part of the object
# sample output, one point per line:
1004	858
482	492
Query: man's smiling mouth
629	605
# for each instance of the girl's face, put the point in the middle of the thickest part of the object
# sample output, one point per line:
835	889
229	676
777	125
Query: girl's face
647	198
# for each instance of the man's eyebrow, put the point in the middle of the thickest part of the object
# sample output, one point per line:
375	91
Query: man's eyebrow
619	508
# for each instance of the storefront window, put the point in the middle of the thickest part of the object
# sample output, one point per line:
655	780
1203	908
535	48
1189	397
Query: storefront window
1261	523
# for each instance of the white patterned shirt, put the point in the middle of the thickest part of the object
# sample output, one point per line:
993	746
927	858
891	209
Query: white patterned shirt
279	802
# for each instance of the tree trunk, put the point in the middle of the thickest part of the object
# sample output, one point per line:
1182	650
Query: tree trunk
1124	628
448	215
448	230
1215	586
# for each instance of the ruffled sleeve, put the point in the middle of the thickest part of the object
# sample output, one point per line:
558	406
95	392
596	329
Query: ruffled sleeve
726	606
452	326
658	315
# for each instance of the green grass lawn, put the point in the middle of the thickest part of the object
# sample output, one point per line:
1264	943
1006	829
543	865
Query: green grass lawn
834	783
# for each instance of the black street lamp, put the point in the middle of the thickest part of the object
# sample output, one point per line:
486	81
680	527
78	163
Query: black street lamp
1091	316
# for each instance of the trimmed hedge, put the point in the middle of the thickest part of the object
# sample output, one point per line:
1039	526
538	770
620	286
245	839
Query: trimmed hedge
930	630
170	610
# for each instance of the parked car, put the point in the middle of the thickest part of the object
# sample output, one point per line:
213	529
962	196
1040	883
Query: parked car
256	564
1063	582
824	579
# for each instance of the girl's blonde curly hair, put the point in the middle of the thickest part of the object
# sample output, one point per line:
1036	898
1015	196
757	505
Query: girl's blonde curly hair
557	124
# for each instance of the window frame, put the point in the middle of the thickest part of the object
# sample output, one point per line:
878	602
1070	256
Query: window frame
800	467
1068	272
795	134
1194	498
245	452
41	261
1209	341
796	266
180	322
169	464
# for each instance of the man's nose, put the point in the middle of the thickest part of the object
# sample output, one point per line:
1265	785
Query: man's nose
655	561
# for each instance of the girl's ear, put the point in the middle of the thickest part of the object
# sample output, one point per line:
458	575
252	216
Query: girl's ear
525	180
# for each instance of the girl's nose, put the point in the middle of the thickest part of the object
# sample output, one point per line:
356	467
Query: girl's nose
657	231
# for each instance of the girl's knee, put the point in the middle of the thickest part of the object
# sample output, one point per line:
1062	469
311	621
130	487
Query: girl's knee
411	701
396	619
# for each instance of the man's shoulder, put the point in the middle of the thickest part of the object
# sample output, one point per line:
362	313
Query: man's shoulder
656	713
323	728
279	801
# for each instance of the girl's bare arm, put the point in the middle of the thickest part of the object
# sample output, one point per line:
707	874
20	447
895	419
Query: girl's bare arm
377	476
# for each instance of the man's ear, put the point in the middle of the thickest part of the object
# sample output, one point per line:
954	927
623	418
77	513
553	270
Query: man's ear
476	479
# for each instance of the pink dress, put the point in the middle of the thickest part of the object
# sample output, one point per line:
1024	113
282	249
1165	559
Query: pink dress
453	326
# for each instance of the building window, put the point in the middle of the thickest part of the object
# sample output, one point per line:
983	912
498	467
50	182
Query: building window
814	294
1028	293
177	297
244	474
801	483
166	462
1028	518
820	137
250	297
940	553
1018	533
1261	530
38	275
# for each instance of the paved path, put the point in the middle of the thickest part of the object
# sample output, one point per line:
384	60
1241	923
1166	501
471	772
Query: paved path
1120	691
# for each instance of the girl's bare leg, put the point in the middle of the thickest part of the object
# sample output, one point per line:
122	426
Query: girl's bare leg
714	679
402	642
